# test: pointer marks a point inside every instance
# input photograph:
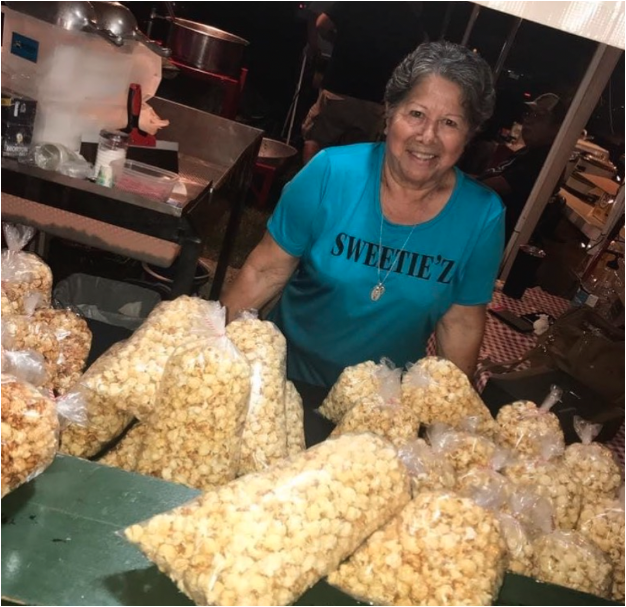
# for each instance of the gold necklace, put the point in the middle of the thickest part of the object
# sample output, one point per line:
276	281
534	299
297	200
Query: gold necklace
379	288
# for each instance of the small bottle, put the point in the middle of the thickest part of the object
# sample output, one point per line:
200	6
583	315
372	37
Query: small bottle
112	145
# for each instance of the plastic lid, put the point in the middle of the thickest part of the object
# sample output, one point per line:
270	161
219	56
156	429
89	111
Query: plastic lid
114	136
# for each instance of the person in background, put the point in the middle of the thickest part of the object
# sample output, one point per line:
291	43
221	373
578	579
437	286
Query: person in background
369	40
375	245
514	178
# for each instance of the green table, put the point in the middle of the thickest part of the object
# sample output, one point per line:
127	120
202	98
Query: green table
61	544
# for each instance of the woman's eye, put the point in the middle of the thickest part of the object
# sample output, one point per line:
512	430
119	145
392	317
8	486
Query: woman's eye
450	123
416	114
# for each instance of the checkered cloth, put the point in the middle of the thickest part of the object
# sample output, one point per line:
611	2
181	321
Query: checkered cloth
502	343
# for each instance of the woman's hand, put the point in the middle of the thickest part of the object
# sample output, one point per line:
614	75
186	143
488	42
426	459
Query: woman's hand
262	277
459	336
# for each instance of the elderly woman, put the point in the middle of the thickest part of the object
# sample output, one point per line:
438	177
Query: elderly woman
374	246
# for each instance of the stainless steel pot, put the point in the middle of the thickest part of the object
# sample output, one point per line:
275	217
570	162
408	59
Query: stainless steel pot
206	48
116	18
275	153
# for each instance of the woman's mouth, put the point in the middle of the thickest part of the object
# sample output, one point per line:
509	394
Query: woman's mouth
422	155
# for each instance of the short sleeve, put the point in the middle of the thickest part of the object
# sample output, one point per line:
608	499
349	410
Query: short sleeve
292	225
481	269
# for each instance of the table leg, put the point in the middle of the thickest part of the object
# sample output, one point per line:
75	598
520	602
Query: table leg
186	264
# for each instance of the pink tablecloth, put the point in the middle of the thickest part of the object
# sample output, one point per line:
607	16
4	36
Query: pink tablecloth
501	343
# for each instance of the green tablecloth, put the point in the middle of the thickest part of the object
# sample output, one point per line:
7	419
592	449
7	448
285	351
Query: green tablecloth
61	544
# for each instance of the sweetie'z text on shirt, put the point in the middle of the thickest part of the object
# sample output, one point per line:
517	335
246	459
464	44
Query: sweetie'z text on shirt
409	263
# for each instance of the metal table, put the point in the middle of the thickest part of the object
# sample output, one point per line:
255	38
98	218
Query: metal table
61	544
216	158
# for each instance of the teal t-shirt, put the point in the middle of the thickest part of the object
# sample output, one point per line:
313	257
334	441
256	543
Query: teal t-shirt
329	216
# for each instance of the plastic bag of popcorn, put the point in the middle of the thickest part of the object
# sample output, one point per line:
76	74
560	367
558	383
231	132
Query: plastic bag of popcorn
550	478
74	338
518	544
602	522
593	464
8	307
442	549
24	333
427	470
131	377
487	487
294	415
464	450
264	439
195	430
523	426
438	391
30	430
105	421
125	454
356	383
265	538
26	365
382	413
568	559
534	511
23	273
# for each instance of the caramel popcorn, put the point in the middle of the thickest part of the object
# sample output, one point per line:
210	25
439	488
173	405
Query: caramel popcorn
126	453
566	558
265	538
441	549
264	439
30	429
294	413
438	391
24	274
427	470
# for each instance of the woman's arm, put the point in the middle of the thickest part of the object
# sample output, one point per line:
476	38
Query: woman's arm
262	277
459	336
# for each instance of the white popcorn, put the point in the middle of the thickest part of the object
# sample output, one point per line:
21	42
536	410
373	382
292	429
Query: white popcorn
438	391
105	421
428	471
552	480
388	419
30	428
126	453
294	413
463	450
441	549
264	439
265	538
195	429
527	429
358	382
602	522
568	559
518	544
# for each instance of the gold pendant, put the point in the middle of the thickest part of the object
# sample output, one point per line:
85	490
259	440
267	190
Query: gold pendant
377	292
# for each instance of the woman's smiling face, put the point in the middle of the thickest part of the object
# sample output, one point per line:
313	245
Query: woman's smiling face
426	133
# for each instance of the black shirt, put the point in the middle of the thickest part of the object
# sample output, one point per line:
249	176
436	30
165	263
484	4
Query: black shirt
371	40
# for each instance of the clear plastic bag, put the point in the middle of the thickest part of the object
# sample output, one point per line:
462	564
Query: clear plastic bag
294	414
265	538
264	439
354	384
464	450
593	464
524	427
382	413
195	430
26	365
126	453
438	391
568	559
74	338
518	544
488	488
441	549
23	273
105	421
30	430
551	479
131	377
427	470
602	522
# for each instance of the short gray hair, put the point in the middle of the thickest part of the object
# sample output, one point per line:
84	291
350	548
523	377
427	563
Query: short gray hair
453	62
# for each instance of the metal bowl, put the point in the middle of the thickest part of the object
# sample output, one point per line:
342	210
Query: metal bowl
275	153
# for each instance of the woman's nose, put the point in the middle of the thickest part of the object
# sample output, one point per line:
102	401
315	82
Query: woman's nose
429	131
